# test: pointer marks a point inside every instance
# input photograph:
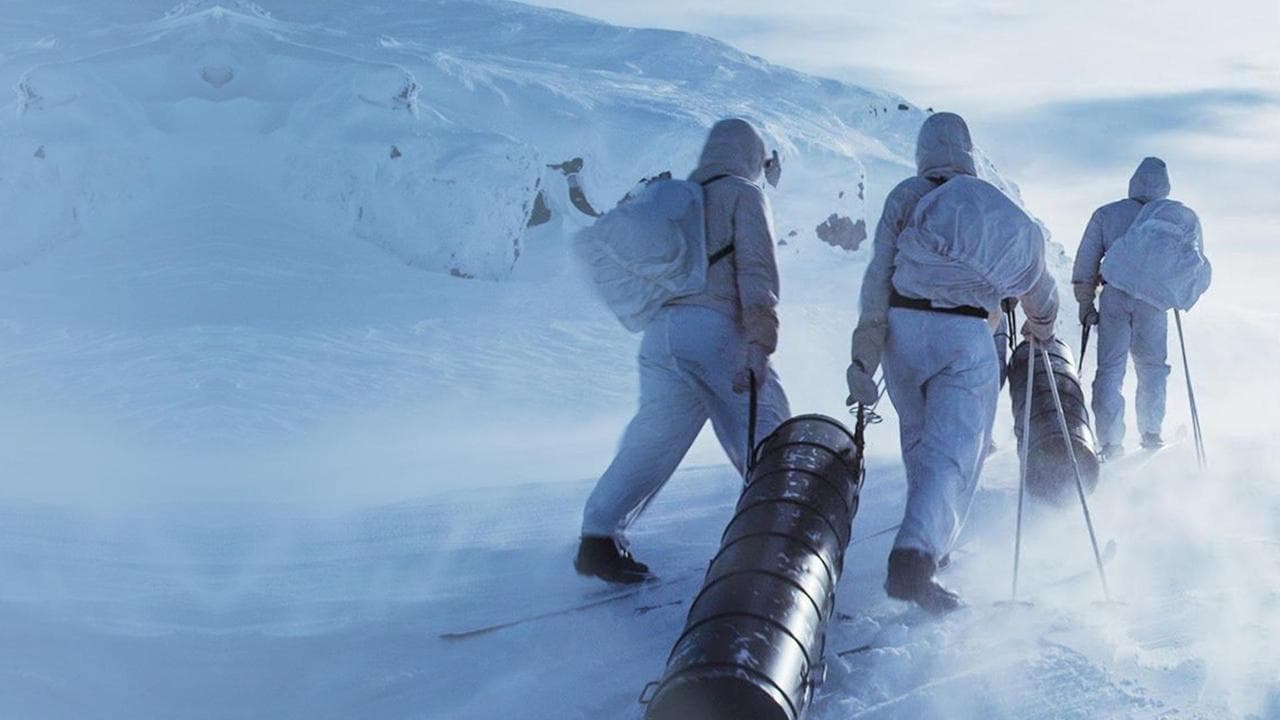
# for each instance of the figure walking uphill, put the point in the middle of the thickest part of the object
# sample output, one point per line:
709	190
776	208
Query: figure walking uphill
949	249
699	354
1131	247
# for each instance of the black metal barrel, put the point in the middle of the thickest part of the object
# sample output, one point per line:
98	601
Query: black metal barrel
752	646
1050	477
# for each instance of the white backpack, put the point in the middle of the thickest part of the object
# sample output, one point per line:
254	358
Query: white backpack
1160	258
967	243
649	250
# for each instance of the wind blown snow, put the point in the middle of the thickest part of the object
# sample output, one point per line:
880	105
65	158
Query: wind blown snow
296	377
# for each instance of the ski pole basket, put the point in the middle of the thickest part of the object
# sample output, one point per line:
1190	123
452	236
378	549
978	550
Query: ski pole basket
753	644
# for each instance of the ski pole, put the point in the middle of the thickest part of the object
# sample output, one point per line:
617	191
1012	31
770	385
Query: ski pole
1022	462
860	442
1191	395
1011	316
752	410
1084	345
1075	467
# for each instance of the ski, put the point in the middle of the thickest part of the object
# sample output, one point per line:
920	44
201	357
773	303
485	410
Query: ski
646	609
1108	554
915	616
612	597
1134	462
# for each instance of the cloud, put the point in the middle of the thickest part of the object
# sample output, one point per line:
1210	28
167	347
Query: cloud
1097	133
1073	155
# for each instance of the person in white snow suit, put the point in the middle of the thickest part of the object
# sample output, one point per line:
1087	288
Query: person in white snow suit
931	322
699	355
1126	325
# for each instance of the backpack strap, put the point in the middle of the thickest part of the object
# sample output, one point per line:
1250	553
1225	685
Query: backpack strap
719	255
725	251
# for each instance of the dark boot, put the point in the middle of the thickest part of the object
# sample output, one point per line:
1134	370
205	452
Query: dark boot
1111	452
911	578
1151	441
602	557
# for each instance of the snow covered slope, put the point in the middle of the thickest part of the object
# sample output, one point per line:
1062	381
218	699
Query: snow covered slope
426	130
227	188
245	224
289	282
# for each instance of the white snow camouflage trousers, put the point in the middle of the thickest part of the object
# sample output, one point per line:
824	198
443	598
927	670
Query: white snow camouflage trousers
944	380
688	358
1127	326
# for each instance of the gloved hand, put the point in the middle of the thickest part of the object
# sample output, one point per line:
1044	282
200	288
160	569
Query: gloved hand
1088	314
1042	332
757	363
862	387
773	169
868	344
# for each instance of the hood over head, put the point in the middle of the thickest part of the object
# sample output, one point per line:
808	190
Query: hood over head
734	148
1150	181
944	148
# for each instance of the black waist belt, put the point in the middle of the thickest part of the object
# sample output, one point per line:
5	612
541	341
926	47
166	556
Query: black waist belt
902	301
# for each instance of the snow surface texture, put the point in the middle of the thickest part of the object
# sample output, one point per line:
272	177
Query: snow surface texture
264	264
